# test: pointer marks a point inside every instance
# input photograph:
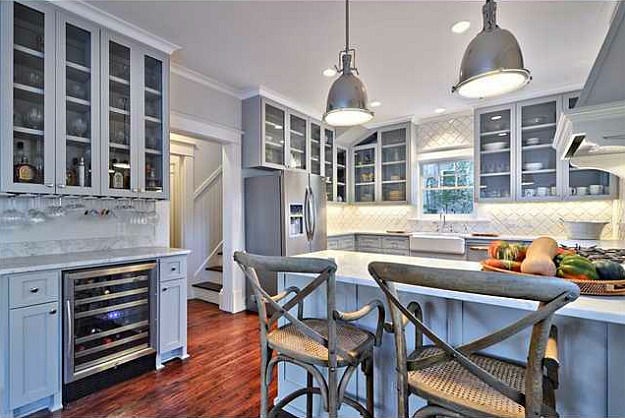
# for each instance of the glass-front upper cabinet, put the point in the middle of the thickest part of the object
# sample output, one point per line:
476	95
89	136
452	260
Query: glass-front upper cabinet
28	71
537	158
274	140
585	183
494	150
315	148
328	151
394	164
341	174
298	135
119	128
155	173
78	107
364	169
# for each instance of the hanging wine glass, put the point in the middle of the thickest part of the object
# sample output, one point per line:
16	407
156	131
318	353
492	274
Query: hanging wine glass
12	218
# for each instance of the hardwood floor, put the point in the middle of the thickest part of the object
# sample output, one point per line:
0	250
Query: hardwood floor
221	379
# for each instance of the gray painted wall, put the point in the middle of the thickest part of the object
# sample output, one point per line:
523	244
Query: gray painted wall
204	103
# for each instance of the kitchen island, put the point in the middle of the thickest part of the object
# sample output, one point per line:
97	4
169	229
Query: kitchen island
591	335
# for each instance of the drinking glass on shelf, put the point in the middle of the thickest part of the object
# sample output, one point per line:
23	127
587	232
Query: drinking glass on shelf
12	218
35	215
152	214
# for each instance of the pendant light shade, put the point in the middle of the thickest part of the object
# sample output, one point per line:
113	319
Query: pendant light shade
493	62
347	103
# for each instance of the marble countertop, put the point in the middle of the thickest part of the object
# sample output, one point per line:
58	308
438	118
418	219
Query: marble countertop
619	244
352	268
84	259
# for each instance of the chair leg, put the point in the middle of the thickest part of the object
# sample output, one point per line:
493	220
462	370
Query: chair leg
309	396
369	379
264	384
435	411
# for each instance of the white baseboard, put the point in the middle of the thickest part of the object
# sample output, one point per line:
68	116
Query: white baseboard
232	303
207	296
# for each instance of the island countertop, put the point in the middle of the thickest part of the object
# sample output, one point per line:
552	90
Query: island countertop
352	269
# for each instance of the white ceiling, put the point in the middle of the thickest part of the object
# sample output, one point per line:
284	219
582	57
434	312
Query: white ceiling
406	53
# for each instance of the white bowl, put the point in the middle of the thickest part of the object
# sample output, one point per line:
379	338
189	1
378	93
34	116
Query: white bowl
532	166
584	229
494	146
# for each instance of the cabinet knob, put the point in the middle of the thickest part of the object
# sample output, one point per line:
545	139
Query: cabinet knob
50	185
60	186
34	290
164	289
53	312
173	268
135	190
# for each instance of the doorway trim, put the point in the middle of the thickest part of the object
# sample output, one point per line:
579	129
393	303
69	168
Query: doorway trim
232	296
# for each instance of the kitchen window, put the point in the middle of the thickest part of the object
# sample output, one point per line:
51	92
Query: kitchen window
447	186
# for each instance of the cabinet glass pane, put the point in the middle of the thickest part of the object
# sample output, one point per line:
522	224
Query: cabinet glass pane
274	135
28	93
538	158
119	116
341	175
329	162
394	165
315	148
299	133
78	158
495	154
154	169
364	175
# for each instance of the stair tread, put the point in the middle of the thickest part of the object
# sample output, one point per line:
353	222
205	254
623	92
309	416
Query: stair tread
215	268
215	287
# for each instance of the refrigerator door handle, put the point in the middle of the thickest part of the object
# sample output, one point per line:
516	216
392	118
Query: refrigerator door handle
307	213
313	215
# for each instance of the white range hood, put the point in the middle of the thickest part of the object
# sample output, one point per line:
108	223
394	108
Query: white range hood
593	134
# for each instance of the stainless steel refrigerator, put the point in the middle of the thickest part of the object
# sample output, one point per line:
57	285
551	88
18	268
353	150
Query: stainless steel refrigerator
285	215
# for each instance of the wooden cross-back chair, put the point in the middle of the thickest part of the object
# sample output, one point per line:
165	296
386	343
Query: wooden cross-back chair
461	381
310	343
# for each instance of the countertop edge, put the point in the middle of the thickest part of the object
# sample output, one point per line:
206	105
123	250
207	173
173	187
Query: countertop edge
16	265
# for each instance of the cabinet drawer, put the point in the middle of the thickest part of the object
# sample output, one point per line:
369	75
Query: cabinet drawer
173	268
347	243
369	241
333	244
33	288
395	243
396	252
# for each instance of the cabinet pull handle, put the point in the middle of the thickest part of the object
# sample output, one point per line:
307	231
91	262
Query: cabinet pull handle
60	186
135	190
53	312
50	185
478	248
34	290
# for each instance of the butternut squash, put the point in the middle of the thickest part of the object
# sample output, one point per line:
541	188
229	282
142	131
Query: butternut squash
539	259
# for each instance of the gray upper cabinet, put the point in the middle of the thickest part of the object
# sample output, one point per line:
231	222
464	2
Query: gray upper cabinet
341	175
84	111
329	159
381	166
28	91
515	159
78	106
277	137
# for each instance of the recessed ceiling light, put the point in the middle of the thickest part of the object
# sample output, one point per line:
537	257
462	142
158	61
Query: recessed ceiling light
440	110
461	26
496	117
375	103
329	72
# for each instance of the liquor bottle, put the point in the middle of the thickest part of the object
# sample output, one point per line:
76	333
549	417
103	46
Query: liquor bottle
24	172
81	172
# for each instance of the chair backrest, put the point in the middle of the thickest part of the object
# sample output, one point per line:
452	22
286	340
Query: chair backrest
551	293
325	270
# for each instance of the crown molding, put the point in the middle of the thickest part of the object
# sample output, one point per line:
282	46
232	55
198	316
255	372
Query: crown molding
277	97
102	18
388	122
204	80
188	125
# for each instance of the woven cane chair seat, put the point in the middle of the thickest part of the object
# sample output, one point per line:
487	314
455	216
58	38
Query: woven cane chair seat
292	342
451	383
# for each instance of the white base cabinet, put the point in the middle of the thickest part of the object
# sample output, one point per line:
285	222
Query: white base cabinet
172	312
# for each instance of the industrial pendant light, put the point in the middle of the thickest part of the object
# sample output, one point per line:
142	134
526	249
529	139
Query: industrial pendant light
347	99
493	62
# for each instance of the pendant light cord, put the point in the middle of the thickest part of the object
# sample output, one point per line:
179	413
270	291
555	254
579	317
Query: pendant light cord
346	25
489	11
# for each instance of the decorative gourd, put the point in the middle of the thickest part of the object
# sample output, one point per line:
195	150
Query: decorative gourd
562	252
504	264
539	258
502	250
576	267
609	270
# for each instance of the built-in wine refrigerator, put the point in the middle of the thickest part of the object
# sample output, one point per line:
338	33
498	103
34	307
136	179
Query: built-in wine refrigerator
109	326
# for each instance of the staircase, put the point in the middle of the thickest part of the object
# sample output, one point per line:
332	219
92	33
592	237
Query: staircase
209	290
